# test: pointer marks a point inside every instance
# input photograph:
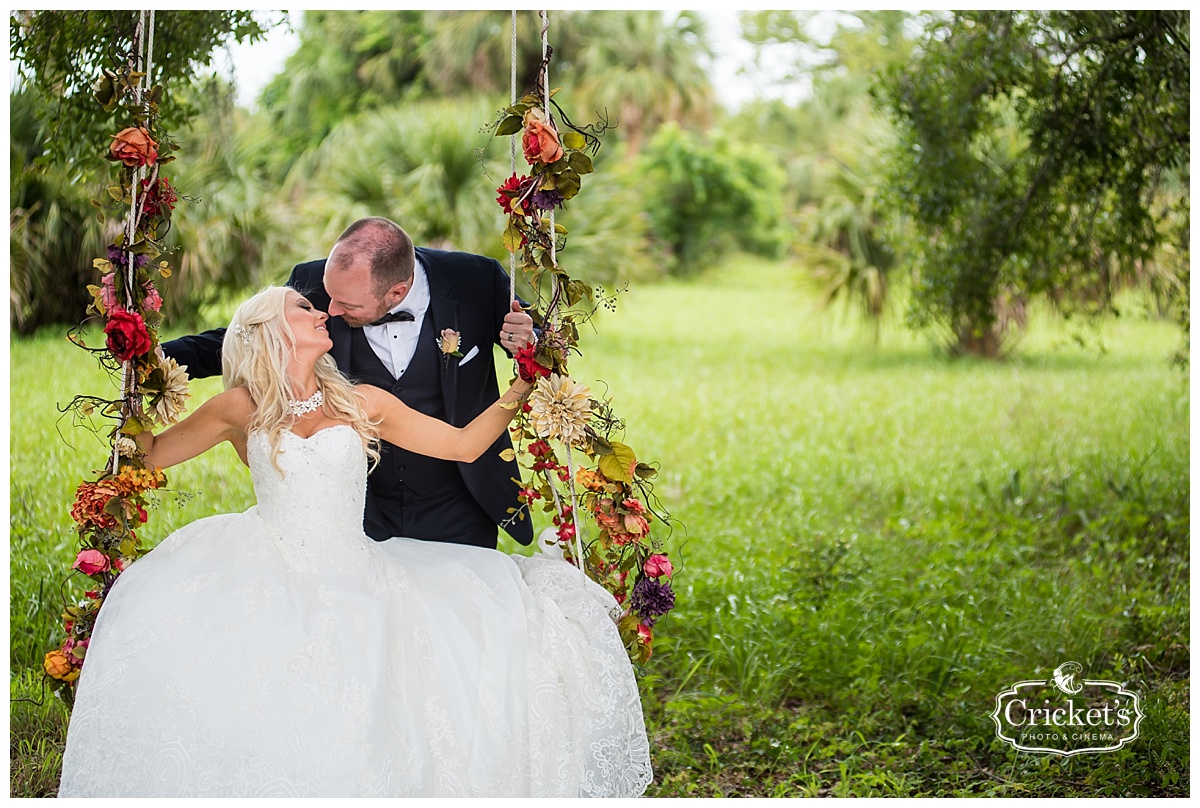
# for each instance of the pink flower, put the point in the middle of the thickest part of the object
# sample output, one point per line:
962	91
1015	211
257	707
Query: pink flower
633	505
153	299
658	565
108	293
645	634
89	562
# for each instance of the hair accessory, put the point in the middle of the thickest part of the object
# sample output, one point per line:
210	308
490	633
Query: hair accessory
243	333
310	404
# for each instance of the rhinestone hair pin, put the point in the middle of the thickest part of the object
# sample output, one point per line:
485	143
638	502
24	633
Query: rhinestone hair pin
243	333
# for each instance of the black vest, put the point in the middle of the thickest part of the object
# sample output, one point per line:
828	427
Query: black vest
410	494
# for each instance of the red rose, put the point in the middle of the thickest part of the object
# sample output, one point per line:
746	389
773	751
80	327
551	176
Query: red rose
134	147
530	368
127	335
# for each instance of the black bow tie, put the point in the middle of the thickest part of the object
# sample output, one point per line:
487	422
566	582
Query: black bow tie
395	317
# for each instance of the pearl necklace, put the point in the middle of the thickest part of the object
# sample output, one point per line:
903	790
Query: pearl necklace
310	404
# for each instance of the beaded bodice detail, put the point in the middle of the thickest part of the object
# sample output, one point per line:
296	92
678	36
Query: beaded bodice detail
315	506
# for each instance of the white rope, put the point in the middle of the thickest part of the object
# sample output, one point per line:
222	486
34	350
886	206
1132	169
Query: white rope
140	60
512	152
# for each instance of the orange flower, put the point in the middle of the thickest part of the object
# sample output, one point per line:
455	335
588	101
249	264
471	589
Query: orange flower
58	666
540	140
591	480
90	499
132	480
134	147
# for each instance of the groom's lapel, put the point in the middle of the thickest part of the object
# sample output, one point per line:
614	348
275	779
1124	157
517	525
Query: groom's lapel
444	313
341	335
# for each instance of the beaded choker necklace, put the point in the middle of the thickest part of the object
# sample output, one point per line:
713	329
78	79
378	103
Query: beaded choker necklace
310	404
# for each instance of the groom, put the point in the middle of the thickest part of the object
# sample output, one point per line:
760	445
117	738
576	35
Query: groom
389	303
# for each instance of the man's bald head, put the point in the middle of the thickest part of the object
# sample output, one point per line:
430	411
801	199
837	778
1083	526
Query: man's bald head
381	245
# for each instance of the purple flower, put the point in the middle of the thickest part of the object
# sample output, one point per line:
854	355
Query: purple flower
117	256
547	200
651	599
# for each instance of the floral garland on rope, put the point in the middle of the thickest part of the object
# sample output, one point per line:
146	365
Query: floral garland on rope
608	482
110	508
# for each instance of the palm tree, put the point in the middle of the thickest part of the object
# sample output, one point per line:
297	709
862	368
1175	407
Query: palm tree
841	221
54	233
643	69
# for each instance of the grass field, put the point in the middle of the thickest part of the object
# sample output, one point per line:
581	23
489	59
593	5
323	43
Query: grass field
871	542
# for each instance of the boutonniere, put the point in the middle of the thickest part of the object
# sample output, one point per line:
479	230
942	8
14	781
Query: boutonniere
448	344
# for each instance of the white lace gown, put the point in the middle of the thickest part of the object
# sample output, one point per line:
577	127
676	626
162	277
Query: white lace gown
282	652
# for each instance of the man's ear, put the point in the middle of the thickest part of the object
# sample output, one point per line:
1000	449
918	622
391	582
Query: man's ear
397	293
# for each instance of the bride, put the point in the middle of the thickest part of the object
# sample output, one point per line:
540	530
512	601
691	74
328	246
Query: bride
282	652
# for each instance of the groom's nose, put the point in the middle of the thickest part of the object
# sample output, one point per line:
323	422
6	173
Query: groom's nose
335	310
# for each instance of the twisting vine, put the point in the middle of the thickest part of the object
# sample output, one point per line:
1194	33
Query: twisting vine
605	480
110	507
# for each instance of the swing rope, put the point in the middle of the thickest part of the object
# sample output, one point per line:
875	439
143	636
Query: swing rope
140	60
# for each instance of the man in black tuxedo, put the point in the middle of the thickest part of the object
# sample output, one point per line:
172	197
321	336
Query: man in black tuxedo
388	303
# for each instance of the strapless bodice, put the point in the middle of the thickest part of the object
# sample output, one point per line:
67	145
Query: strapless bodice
315	506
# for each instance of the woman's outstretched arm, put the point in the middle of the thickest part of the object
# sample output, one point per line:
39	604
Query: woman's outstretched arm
223	417
419	433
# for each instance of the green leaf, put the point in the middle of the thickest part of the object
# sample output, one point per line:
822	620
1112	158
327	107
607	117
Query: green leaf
568	183
573	140
645	471
580	162
619	465
509	126
601	446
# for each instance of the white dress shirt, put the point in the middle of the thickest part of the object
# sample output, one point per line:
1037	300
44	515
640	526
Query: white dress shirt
395	343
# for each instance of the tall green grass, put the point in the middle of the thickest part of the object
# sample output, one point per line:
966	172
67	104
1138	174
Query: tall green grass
870	543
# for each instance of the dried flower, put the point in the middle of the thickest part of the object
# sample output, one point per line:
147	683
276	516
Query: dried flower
560	409
168	402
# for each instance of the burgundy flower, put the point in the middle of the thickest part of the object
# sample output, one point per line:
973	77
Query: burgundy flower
159	197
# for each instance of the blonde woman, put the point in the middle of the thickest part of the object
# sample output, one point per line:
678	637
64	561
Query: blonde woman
281	651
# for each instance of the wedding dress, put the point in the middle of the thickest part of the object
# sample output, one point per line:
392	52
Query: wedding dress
282	652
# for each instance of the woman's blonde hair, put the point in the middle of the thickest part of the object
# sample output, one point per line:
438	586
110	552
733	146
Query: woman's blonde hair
258	347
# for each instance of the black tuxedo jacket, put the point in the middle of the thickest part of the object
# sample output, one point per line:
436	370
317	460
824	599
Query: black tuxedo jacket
468	293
